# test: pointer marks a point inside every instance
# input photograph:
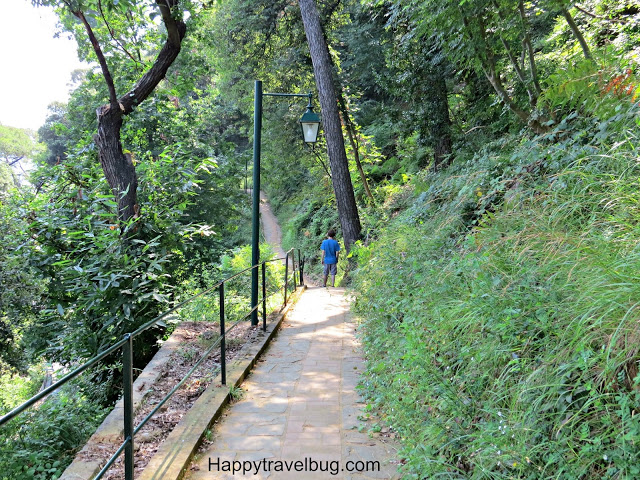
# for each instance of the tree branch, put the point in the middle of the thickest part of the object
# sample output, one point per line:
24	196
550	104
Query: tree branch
346	118
529	47
324	165
176	30
490	71
118	42
599	17
533	96
113	97
576	32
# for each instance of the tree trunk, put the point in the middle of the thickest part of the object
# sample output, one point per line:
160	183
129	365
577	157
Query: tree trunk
528	46
440	125
576	32
489	66
533	96
342	186
118	168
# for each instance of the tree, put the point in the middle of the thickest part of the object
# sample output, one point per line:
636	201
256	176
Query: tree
342	186
118	166
54	133
15	144
7	178
20	283
495	37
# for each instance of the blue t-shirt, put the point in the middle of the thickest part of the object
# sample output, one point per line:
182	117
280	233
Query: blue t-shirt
330	247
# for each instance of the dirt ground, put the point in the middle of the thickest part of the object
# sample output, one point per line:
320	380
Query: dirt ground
195	338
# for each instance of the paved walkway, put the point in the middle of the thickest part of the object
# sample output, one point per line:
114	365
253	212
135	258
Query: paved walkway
300	408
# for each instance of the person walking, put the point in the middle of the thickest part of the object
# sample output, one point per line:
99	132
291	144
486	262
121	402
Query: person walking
330	252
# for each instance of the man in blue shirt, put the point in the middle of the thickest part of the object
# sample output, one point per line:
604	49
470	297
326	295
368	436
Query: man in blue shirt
330	253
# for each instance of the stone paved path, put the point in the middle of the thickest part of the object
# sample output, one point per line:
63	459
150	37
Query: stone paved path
301	403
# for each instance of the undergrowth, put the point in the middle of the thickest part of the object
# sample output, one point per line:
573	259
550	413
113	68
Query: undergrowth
501	311
206	307
40	443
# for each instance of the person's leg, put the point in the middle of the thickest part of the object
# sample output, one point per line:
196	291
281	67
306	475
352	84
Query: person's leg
325	268
334	271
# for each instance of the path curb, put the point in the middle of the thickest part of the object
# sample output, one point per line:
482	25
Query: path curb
111	429
172	458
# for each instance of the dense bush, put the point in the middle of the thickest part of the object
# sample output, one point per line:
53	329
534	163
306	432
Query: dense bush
20	284
237	290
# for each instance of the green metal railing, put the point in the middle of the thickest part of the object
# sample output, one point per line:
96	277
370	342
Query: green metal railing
291	282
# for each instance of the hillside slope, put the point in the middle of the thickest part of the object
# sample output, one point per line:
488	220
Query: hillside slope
500	309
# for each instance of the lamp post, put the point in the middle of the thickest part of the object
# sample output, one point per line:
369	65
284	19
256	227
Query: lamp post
309	124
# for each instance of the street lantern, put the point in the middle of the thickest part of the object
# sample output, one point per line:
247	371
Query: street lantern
310	123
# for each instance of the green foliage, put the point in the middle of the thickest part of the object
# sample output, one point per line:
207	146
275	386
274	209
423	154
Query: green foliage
40	444
237	291
55	134
235	393
7	178
20	284
499	315
499	293
105	285
16	143
308	221
17	389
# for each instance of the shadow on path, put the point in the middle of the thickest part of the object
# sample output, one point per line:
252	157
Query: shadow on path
300	405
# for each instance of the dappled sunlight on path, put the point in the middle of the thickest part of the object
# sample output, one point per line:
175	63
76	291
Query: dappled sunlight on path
300	405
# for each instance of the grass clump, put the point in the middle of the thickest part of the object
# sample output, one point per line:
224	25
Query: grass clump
501	312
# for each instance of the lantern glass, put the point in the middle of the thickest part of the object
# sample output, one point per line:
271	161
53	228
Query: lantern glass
310	124
310	131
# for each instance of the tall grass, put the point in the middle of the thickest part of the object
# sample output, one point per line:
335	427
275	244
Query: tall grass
501	313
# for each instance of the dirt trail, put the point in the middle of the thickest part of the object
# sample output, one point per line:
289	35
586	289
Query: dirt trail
272	232
270	226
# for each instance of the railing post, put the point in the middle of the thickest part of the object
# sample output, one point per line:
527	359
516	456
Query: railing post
127	392
300	282
223	354
295	269
286	277
264	296
296	277
302	272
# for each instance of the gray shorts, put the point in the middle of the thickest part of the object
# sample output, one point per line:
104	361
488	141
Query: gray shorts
330	268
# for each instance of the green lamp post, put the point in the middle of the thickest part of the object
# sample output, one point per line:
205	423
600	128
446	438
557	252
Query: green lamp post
309	125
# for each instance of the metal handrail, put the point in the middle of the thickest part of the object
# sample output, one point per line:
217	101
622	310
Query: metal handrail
127	371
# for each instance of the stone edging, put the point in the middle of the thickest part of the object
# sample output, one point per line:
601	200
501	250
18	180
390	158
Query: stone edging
184	439
172	459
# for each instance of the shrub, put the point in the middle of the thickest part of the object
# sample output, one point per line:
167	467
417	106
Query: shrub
39	444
